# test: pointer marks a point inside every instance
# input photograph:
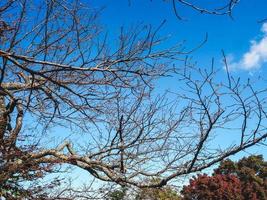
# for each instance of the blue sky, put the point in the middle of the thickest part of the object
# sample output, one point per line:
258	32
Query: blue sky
232	35
243	38
240	36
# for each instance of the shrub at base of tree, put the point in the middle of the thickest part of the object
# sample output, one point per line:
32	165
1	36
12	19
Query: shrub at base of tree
204	187
242	180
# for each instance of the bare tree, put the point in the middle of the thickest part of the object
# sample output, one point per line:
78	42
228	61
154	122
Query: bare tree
59	69
218	8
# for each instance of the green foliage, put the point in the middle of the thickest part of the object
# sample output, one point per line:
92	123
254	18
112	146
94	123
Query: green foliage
165	193
118	194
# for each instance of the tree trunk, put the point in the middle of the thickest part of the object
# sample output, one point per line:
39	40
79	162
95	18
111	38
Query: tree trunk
3	117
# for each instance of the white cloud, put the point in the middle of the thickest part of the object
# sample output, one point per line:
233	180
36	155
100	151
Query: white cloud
255	57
